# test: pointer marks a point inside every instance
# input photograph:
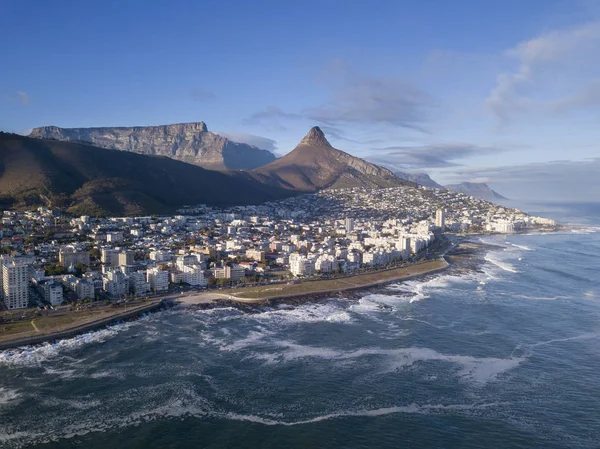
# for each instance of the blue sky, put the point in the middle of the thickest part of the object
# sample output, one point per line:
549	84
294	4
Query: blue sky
506	92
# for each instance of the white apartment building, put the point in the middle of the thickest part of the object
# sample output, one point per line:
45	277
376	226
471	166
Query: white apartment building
53	292
325	264
301	266
440	218
15	284
194	275
161	256
138	283
85	289
126	257
158	279
115	283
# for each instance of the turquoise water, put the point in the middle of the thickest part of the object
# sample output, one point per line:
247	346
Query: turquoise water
505	357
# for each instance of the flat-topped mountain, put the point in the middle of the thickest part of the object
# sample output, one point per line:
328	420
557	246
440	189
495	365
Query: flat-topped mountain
188	142
314	165
88	180
477	189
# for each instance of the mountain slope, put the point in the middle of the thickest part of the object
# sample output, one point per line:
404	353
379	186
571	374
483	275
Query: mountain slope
314	165
187	142
477	189
423	179
95	181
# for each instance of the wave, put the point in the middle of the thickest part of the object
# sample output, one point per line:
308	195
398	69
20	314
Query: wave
37	354
523	247
479	370
8	396
505	266
408	409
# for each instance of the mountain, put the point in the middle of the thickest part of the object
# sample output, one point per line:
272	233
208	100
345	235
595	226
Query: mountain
88	180
477	189
187	142
314	165
423	179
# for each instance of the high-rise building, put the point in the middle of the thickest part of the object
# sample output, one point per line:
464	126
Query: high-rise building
349	224
440	218
126	257
15	284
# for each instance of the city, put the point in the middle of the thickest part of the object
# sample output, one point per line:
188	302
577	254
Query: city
50	259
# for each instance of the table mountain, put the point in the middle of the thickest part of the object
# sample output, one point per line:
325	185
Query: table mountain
314	165
88	180
477	189
187	142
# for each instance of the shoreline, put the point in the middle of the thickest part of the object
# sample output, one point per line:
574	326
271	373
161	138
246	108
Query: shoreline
210	299
402	275
82	328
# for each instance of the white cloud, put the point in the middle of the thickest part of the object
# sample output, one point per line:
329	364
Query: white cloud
552	68
258	141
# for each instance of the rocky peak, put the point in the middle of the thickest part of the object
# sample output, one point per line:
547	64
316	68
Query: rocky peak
315	138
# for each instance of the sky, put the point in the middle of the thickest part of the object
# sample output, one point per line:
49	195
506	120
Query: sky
504	92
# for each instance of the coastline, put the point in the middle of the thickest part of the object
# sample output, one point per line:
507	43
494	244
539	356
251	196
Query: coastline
457	257
354	283
72	331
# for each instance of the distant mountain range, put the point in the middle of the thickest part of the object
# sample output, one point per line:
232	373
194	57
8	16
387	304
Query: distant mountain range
315	165
88	180
423	179
156	169
186	142
477	189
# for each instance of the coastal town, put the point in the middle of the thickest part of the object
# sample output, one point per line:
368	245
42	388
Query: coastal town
50	259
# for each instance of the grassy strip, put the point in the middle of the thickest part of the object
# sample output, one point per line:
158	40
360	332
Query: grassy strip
348	283
61	321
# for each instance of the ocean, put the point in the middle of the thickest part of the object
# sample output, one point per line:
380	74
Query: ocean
507	355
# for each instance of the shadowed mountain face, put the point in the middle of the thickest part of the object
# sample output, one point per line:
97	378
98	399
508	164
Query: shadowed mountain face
88	180
187	142
314	165
477	189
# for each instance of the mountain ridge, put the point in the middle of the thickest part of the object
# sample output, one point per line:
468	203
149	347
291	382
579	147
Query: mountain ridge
314	164
187	142
88	180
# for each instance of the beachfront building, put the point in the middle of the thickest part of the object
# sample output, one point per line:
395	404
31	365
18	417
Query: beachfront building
158	279
15	284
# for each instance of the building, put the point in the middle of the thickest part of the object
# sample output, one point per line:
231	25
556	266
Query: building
85	289
138	283
301	266
114	237
440	219
194	276
69	256
126	257
349	224
52	292
255	255
115	283
235	273
109	256
15	284
158	279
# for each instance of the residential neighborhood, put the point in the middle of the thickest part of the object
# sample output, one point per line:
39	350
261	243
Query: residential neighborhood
49	258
